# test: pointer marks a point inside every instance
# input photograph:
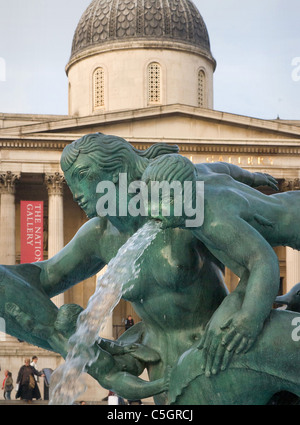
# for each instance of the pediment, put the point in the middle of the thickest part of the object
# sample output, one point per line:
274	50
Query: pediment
171	124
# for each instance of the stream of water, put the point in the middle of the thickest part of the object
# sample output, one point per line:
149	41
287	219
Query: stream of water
67	382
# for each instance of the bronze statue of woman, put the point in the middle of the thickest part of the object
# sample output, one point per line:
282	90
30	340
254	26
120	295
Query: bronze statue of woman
179	289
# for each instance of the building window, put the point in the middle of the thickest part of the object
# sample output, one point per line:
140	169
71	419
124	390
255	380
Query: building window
154	83
201	88
98	88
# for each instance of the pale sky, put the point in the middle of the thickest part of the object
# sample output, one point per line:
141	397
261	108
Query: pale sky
256	44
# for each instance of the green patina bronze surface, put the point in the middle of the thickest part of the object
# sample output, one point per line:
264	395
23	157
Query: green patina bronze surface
200	344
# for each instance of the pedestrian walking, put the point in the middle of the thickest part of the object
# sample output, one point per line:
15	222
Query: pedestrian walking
27	384
7	385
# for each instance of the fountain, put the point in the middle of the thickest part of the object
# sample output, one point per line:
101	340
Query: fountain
122	271
198	343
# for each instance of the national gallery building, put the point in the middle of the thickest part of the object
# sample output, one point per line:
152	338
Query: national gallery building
142	70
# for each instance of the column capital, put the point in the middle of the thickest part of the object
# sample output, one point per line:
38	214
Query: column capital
8	182
54	183
287	185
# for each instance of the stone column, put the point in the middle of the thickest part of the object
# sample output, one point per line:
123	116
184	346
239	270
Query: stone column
107	331
292	267
54	183
8	218
7	232
292	255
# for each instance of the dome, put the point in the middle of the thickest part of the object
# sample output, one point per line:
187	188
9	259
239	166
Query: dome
106	21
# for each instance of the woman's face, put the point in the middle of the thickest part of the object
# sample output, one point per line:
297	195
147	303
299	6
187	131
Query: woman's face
82	178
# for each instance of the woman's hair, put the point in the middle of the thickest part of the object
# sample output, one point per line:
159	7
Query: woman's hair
112	153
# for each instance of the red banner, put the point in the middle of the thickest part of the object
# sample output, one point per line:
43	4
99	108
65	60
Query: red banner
32	229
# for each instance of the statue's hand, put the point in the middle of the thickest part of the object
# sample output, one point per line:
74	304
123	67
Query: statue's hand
263	179
214	352
55	333
221	341
27	322
241	332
